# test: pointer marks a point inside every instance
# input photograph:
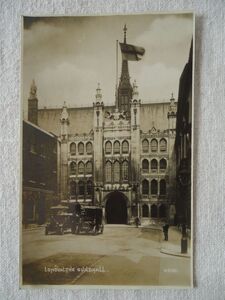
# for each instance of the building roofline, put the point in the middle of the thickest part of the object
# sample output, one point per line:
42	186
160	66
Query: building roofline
39	128
106	106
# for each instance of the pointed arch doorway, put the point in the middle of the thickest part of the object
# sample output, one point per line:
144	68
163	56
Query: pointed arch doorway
116	208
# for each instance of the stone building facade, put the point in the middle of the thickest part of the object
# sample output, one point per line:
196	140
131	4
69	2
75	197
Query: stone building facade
118	157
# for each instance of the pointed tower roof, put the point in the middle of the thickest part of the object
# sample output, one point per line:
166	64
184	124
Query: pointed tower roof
33	90
125	88
98	95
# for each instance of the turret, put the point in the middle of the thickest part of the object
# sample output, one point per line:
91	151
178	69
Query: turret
64	120
98	107
172	113
33	104
135	134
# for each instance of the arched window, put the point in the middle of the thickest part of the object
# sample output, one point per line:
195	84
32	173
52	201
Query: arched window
108	147
145	211
73	188
154	165
163	145
89	187
154	211
108	171
125	147
154	145
154	187
145	187
88	167
162	164
162	185
125	171
73	168
116	171
145	146
81	168
162	211
89	148
72	148
81	187
81	148
145	166
116	147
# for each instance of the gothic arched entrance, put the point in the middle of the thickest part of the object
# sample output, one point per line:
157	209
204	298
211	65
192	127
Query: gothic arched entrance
116	208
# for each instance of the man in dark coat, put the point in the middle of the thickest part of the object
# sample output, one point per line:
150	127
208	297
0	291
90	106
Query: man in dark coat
165	231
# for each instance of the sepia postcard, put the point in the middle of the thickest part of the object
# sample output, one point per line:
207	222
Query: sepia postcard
107	120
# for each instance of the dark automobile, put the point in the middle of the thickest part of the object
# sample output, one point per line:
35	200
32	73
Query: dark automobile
88	220
60	220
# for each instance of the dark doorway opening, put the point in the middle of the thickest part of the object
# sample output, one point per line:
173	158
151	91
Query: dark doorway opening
116	209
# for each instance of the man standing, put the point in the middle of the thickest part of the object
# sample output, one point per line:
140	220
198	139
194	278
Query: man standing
165	231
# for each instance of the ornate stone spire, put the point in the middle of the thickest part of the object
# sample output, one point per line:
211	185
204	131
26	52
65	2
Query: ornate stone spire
125	34
172	107
135	90
33	90
33	104
125	88
98	95
64	114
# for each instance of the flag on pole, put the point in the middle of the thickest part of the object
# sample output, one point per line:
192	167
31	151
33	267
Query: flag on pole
131	52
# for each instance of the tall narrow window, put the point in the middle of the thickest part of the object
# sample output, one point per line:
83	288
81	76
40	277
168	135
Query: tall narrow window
162	187
89	148
81	148
154	145
154	165
163	145
116	147
73	168
125	171
162	211
116	171
145	166
154	187
125	147
145	187
88	167
72	188
145	211
108	147
163	164
145	146
81	167
72	148
108	171
81	187
89	187
154	210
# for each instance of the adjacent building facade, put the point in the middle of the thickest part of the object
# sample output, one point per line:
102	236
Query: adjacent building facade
40	163
183	144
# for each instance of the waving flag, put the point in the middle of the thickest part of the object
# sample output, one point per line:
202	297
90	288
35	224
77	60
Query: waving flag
131	52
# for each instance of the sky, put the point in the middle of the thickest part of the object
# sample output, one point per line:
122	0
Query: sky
68	56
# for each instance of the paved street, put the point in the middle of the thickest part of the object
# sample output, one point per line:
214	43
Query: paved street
122	255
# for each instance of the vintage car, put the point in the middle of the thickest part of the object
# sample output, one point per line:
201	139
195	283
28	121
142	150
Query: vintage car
88	220
60	220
